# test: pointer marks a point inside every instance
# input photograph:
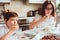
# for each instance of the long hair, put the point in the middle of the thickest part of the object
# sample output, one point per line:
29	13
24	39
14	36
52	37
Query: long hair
42	11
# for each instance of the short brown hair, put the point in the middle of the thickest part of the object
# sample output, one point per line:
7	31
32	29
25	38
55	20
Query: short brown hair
8	15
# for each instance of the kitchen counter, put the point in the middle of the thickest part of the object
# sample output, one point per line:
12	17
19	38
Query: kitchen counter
1	21
28	19
25	17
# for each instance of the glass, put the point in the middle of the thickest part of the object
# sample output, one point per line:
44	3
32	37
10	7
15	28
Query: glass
49	8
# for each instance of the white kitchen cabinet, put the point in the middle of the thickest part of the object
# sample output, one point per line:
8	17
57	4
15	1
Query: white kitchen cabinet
57	2
36	1
3	1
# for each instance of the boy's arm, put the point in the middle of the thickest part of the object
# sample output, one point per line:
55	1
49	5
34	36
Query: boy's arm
9	33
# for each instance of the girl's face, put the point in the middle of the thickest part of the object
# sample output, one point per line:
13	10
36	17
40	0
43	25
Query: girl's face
48	10
12	21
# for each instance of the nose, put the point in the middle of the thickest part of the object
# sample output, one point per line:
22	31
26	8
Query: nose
15	22
48	11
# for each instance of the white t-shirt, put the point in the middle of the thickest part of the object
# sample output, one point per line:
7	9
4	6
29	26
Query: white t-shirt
38	31
4	30
49	24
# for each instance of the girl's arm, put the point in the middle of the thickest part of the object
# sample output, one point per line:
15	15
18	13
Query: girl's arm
35	23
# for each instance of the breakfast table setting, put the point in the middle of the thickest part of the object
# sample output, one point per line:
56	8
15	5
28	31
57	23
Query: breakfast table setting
37	34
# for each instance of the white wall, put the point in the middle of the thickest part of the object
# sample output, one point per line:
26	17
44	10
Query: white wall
21	8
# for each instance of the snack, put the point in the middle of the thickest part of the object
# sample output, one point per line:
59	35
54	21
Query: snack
50	37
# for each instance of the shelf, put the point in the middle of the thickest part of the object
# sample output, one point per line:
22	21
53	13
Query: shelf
25	17
24	24
37	1
3	2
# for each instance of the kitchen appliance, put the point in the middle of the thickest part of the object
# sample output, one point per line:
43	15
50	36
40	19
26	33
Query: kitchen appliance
23	24
31	13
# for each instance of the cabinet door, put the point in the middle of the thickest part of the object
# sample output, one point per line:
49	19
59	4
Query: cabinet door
36	1
4	0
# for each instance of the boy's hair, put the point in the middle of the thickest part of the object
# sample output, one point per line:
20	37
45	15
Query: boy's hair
8	15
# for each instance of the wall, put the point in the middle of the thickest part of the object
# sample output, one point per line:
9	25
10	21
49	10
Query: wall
21	8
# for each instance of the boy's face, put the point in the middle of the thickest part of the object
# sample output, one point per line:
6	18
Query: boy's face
11	22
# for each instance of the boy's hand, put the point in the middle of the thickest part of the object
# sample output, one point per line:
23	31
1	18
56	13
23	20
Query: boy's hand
14	27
